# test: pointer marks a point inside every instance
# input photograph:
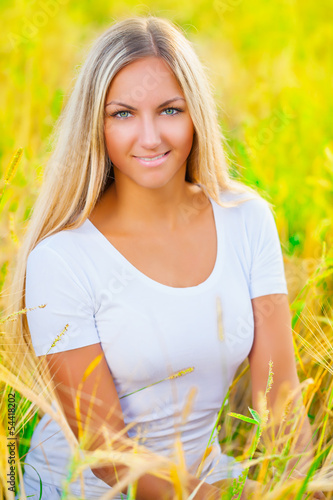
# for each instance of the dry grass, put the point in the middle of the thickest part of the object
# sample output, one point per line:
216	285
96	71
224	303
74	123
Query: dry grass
269	63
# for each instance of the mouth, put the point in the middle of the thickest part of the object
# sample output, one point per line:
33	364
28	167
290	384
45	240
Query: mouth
153	161
151	158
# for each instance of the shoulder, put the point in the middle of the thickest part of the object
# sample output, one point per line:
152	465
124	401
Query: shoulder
249	219
65	243
245	205
62	262
66	250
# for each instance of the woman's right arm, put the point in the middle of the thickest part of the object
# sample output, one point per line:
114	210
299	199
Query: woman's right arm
99	406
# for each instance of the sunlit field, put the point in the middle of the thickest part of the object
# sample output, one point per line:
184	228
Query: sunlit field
271	69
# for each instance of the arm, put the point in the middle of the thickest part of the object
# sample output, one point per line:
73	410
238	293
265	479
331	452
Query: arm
273	341
98	396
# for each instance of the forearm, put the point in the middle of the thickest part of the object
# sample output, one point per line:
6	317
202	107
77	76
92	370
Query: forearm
300	436
150	487
303	445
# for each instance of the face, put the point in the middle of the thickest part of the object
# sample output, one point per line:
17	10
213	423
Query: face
146	117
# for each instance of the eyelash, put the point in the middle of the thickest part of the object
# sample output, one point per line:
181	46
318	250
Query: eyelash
126	111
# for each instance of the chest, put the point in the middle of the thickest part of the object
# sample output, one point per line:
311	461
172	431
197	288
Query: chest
178	259
148	335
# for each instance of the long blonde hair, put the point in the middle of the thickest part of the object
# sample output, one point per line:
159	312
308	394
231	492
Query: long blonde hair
79	169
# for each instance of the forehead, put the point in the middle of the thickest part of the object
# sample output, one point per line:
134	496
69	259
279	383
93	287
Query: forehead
147	78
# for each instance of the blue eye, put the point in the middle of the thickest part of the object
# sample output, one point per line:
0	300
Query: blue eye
170	109
178	110
175	111
118	113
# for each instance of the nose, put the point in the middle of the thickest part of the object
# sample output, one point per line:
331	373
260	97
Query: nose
149	134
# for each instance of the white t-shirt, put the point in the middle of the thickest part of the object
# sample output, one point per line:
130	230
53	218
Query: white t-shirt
150	331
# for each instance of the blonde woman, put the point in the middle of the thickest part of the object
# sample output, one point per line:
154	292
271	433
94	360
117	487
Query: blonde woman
153	261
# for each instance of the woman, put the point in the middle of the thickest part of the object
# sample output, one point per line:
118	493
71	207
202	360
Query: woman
138	238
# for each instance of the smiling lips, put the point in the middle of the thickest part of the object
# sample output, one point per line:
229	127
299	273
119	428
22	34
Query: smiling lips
151	158
153	161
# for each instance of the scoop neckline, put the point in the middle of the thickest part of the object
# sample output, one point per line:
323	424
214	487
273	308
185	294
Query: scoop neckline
156	284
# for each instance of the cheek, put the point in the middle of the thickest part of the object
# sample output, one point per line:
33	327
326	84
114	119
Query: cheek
184	136
116	139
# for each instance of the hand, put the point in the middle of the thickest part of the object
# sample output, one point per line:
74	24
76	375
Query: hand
250	490
316	494
319	494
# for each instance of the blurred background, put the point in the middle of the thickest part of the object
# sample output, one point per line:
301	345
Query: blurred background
270	66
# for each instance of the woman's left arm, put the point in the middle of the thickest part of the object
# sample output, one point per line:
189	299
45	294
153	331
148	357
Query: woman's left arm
273	342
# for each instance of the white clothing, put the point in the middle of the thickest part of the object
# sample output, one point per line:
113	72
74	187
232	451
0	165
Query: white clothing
32	489
150	331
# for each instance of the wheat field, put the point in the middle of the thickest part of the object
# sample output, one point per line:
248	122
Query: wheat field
271	68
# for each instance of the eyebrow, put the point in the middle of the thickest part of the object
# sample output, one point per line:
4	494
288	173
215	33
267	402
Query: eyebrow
177	98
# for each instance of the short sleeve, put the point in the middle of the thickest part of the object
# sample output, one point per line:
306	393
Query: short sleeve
267	274
50	280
